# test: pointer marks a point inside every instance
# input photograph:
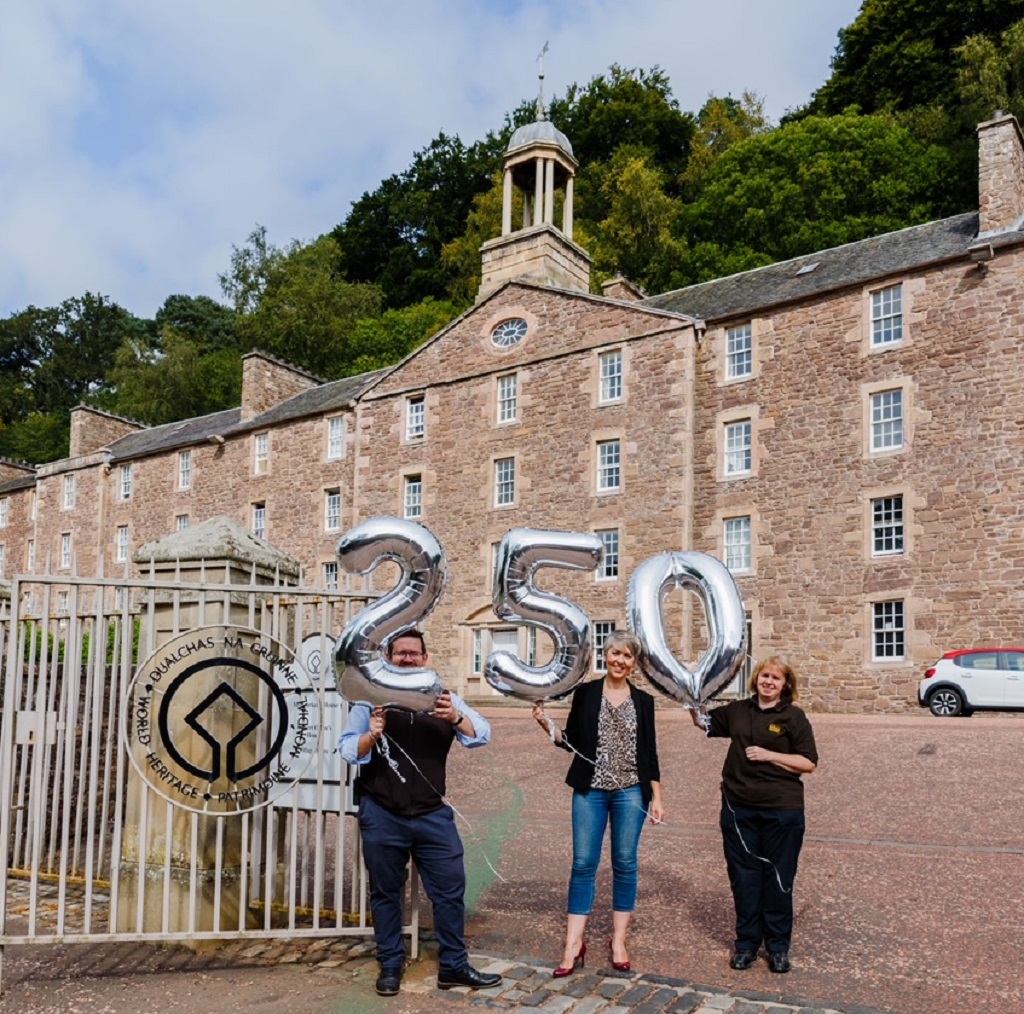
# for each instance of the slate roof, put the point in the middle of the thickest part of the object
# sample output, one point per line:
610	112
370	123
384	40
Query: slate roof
323	398
842	266
176	434
13	485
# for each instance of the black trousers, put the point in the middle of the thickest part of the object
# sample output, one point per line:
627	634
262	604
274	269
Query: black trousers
761	852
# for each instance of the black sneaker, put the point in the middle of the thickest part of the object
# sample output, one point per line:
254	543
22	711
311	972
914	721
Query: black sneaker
389	982
742	960
778	961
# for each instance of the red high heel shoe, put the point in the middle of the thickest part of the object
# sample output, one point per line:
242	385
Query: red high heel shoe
561	973
619	966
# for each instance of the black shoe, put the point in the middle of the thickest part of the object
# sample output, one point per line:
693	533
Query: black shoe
467	976
742	960
389	981
778	961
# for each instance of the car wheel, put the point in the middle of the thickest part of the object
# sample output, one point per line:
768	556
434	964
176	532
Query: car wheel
946	702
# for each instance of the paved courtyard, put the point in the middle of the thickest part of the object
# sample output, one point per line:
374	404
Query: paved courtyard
908	898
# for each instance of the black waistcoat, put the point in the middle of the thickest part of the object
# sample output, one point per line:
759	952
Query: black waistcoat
418	744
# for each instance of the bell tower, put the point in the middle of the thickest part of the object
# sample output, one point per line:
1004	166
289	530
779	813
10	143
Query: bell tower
538	164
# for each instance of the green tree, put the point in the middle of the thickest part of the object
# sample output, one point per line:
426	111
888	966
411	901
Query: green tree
36	438
52	358
174	379
721	123
251	267
637	237
208	323
461	256
812	184
626	107
897	54
72	347
991	74
394	236
306	309
385	340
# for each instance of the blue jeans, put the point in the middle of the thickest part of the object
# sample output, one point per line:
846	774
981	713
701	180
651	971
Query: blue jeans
436	848
590	814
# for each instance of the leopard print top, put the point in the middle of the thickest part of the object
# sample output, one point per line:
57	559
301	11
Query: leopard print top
616	747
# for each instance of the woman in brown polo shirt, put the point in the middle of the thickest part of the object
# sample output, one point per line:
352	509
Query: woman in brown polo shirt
762	819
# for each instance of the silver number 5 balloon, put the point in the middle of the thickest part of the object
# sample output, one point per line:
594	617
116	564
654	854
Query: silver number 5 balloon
521	553
723	608
365	674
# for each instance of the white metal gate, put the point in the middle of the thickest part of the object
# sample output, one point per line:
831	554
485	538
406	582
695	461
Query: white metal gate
85	840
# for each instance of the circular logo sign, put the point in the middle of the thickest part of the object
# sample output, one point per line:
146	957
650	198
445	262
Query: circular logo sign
221	720
316	653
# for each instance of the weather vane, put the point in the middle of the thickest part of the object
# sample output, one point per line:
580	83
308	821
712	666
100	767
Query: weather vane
542	113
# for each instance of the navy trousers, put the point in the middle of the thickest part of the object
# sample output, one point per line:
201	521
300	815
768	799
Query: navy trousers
434	845
764	909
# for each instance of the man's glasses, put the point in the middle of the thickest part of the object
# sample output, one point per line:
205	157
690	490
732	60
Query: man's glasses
410	656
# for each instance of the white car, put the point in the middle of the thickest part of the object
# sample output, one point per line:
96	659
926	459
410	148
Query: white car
974	679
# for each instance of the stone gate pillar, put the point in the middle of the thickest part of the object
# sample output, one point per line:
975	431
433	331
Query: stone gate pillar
217	552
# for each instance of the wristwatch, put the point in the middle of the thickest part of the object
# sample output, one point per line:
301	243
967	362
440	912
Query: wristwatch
458	719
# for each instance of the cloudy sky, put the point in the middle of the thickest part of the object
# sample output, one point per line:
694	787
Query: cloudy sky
140	141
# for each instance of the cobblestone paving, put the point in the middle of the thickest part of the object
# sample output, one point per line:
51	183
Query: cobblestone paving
527	985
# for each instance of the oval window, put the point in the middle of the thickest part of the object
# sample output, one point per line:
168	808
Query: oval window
509	332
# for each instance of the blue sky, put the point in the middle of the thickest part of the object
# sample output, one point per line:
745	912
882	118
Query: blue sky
140	141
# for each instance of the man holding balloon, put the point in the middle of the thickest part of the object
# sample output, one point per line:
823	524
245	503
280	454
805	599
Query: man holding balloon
402	756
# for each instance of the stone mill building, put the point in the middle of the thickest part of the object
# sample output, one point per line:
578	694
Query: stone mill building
845	430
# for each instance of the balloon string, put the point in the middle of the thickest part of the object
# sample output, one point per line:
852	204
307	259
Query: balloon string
445	798
775	869
385	752
565	740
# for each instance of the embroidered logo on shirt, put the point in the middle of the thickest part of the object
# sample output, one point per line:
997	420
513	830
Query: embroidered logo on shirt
775	727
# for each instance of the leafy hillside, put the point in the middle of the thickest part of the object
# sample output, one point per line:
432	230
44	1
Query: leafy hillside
666	196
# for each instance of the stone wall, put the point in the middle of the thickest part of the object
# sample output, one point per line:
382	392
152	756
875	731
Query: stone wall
541	254
553	441
223	482
815	577
961	474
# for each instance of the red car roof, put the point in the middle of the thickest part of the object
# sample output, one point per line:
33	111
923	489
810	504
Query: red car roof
974	651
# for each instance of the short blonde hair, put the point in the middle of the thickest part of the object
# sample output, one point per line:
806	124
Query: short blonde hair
790	692
624	639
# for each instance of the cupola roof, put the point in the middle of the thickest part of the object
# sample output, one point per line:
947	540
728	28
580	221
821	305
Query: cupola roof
539	132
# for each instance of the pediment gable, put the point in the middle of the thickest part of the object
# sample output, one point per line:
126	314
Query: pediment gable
557	323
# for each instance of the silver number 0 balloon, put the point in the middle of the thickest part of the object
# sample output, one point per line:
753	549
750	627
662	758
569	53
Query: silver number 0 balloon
521	553
364	674
723	607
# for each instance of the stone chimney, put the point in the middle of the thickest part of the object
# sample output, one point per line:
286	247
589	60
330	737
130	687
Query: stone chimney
92	430
1000	174
622	288
267	382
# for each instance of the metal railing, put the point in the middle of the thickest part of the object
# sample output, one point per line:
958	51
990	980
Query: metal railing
91	850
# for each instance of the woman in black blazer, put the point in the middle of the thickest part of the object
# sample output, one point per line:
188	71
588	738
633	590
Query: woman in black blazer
615	778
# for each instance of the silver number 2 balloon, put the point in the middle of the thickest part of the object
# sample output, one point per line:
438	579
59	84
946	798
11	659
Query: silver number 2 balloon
364	674
711	581
521	553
